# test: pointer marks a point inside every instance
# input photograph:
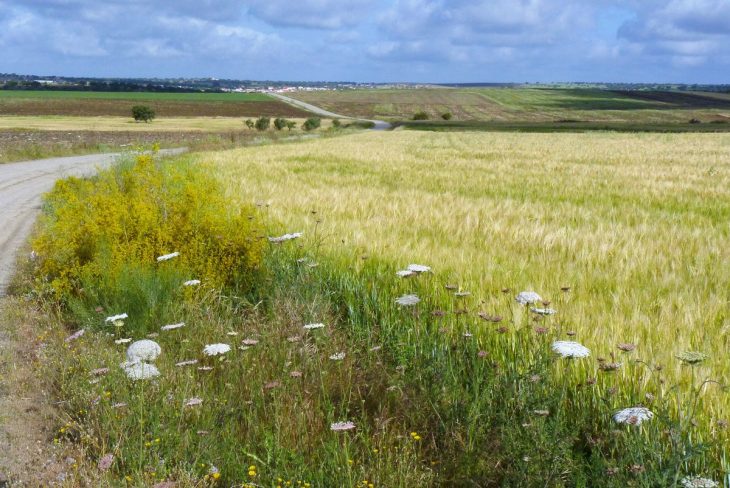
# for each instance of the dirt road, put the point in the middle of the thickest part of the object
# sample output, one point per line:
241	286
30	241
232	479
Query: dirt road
379	124
21	187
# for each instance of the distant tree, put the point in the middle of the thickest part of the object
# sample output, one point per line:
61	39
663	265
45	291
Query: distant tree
280	123
290	124
446	115
422	115
336	123
142	113
263	123
250	123
695	121
312	123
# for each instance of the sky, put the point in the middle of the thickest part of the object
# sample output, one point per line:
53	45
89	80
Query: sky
439	41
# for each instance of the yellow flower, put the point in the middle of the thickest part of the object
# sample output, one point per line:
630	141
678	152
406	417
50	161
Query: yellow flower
216	475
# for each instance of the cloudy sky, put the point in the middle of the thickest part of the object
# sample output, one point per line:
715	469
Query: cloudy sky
371	40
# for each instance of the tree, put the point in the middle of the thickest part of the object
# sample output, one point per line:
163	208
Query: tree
263	123
422	115
312	123
142	113
446	115
250	123
290	124
280	123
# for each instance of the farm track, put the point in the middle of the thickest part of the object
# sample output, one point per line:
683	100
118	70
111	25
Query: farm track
21	187
379	124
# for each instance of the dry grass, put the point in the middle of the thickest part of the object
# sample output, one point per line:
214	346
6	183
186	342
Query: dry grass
102	124
635	224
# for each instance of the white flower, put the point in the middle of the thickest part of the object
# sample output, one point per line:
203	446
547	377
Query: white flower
340	426
191	283
632	416
144	350
285	237
570	349
407	300
165	257
418	268
697	482
216	349
140	371
123	341
172	326
543	311
75	335
193	402
314	326
338	356
462	294
249	342
114	318
189	362
528	298
404	273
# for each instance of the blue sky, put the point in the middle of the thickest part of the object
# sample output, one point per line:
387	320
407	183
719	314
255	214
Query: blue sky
371	40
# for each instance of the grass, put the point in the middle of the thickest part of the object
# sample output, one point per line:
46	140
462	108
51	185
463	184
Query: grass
108	123
562	126
524	105
136	96
635	224
440	395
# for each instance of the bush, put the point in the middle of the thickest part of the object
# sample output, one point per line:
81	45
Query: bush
263	123
420	115
446	115
143	113
97	233
290	124
695	121
250	124
336	123
312	123
280	123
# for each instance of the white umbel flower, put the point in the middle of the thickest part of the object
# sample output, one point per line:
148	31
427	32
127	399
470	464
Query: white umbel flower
407	300
543	311
314	326
191	283
172	326
418	268
144	350
140	371
633	415
404	273
285	237
697	482
216	349
114	318
167	257
338	356
570	349
527	298
341	426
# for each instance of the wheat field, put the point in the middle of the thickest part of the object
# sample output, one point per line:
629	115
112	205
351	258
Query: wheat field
637	225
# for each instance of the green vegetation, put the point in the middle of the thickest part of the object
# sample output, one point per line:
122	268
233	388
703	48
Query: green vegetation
180	97
262	123
312	123
461	388
142	113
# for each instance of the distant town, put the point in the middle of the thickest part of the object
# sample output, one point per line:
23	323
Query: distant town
12	81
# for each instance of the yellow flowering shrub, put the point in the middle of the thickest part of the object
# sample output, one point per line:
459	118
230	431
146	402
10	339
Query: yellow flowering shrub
98	230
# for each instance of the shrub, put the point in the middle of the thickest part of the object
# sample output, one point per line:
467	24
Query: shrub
143	113
446	115
422	115
250	124
97	233
290	124
695	121
336	123
280	123
312	123
263	123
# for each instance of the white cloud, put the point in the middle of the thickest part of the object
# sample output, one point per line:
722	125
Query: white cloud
313	14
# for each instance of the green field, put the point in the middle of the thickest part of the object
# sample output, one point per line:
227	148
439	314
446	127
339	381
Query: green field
141	96
526	104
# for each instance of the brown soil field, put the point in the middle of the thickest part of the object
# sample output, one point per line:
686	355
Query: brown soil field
100	107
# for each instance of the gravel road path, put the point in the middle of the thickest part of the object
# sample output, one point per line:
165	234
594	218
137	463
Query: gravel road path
21	187
379	124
